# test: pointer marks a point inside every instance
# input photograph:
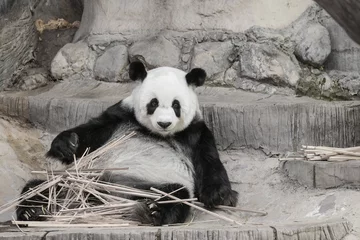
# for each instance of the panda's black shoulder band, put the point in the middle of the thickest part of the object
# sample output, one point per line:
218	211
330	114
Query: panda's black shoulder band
137	71
196	77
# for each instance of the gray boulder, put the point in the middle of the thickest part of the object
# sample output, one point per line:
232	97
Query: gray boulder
349	81
157	51
313	44
109	66
74	60
213	56
266	63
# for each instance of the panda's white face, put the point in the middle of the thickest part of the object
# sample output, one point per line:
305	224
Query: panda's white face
164	102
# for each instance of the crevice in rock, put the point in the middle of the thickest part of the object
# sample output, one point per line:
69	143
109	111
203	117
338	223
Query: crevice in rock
275	232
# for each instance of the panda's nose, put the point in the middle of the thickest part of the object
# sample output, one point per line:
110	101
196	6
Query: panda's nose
164	124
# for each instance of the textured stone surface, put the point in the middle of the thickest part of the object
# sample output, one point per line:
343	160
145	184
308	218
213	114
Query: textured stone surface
20	152
347	80
29	78
300	171
334	230
313	44
329	175
212	55
238	118
17	38
318	231
111	63
157	51
323	174
345	53
74	61
264	62
127	16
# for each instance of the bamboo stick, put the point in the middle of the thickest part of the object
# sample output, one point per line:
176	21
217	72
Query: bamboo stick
197	207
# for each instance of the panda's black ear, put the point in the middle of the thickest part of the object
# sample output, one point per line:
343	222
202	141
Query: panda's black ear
196	77
137	71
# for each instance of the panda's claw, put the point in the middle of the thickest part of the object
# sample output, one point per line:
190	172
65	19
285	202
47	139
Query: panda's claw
30	214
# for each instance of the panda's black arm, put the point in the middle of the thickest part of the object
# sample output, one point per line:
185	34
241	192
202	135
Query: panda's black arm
211	179
92	134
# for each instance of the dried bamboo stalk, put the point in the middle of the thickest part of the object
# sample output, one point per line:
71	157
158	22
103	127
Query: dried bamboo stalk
197	207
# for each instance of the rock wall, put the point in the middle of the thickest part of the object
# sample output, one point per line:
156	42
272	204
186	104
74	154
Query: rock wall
128	17
26	50
286	47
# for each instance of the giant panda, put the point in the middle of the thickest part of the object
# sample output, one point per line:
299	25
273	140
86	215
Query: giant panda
172	147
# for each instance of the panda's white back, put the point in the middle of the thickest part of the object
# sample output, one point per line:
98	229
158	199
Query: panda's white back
148	158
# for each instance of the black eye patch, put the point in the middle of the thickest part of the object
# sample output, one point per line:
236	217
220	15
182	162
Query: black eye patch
176	106
151	106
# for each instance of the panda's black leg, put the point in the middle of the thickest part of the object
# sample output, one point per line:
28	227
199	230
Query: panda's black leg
151	212
31	209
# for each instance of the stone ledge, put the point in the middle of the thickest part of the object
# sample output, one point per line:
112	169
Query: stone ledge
331	230
323	174
237	118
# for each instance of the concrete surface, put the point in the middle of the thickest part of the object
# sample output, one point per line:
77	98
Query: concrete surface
323	174
274	123
21	150
335	230
123	17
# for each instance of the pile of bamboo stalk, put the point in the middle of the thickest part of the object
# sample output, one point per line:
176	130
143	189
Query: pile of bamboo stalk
71	196
321	153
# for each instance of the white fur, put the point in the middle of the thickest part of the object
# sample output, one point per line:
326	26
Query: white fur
148	160
166	84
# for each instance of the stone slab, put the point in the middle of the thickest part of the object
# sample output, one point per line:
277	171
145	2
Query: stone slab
329	230
300	171
324	175
273	122
332	230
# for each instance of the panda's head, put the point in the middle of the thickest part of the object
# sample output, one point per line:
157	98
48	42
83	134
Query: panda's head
165	102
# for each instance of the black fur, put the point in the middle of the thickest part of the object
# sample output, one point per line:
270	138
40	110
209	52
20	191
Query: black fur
137	71
149	212
212	185
31	209
196	77
92	134
176	106
151	106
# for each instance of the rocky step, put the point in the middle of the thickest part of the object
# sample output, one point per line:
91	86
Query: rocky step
275	123
333	230
318	174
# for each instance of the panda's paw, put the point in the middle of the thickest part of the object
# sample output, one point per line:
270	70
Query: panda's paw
218	194
148	212
64	146
31	213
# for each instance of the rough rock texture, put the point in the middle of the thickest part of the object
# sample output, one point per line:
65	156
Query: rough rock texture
111	63
345	53
323	174
17	38
127	16
313	44
320	85
212	55
29	78
266	63
24	45
347	80
20	152
273	122
74	60
157	51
